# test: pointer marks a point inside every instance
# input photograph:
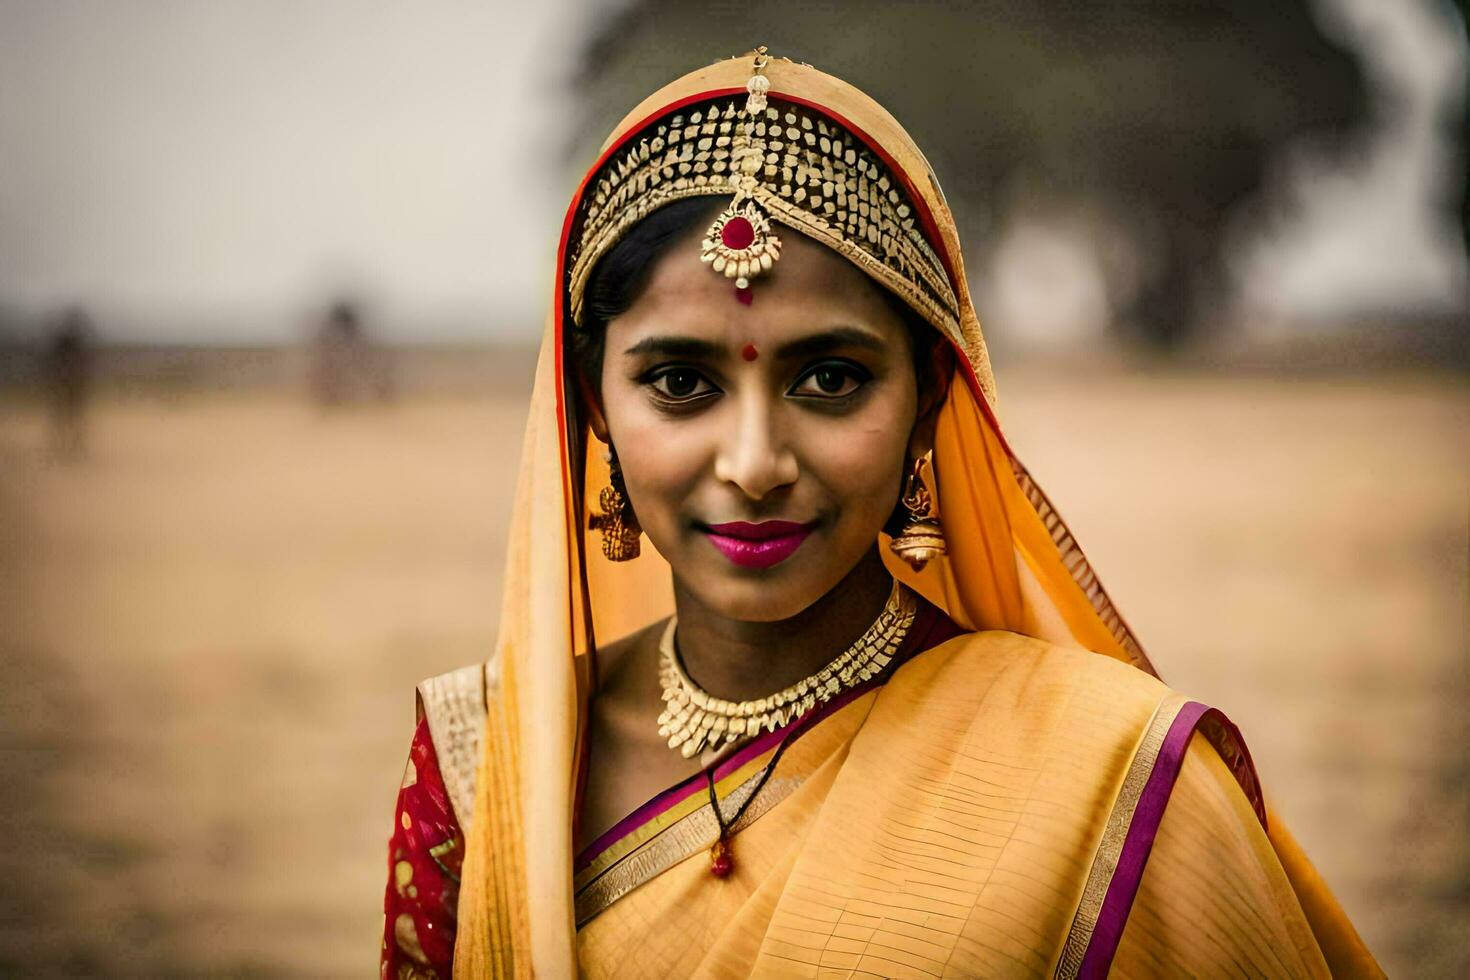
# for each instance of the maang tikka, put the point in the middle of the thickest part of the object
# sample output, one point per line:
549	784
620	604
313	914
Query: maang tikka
922	540
739	245
617	523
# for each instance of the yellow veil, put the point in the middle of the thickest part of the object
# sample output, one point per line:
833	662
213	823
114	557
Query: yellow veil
1012	565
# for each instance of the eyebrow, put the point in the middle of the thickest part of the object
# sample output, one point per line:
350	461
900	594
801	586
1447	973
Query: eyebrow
676	347
803	347
828	339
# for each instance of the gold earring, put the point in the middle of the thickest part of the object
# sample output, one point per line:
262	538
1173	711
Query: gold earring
923	539
617	522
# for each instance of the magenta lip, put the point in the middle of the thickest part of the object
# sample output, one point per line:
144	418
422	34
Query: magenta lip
758	545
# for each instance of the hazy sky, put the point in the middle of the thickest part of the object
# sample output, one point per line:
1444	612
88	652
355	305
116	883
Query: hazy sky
211	170
230	161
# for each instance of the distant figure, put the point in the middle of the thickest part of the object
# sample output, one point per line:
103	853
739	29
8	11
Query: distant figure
68	372
338	348
346	367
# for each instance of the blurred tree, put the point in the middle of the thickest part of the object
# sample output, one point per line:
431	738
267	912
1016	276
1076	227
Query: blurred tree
1159	117
1460	126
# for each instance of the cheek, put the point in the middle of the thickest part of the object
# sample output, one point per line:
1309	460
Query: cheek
860	463
661	461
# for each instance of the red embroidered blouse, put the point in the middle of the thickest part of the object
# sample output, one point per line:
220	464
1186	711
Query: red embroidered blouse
424	859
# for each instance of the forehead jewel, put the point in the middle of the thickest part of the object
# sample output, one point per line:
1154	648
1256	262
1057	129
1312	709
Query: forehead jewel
739	245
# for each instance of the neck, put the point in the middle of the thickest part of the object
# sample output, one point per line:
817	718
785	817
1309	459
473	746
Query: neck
739	661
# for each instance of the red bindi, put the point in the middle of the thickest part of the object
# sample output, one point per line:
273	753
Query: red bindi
744	295
749	352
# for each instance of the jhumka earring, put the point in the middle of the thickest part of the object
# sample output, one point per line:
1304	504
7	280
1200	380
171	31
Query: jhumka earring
617	522
923	539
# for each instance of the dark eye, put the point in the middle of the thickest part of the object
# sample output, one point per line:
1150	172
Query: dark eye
833	379
681	384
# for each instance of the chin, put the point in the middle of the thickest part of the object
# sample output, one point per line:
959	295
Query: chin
770	606
762	597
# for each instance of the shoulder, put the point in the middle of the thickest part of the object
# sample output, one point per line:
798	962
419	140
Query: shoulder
999	667
1214	898
453	705
1023	705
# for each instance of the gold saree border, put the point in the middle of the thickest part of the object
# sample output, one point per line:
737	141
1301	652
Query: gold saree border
1080	568
1114	835
688	825
675	842
731	784
1123	851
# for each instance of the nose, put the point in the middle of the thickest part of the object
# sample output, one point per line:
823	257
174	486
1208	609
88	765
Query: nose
753	454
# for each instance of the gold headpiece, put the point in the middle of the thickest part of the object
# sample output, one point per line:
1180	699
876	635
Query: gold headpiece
781	161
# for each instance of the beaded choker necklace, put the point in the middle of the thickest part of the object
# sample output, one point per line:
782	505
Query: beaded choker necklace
694	720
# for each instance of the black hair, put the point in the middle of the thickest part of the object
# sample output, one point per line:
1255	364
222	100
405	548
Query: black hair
620	276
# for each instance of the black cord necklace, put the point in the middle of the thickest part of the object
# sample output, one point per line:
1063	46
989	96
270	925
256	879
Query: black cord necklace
722	851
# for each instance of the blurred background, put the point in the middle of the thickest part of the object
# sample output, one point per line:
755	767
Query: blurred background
271	274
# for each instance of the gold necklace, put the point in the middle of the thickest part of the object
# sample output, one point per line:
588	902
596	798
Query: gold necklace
693	719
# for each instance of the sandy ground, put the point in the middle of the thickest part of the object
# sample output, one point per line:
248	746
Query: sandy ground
211	626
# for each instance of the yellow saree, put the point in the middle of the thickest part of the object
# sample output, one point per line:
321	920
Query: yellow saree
1024	799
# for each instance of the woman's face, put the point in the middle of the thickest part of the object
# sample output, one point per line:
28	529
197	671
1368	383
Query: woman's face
763	446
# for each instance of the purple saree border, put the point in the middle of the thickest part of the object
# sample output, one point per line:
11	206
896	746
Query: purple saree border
696	783
931	627
1143	829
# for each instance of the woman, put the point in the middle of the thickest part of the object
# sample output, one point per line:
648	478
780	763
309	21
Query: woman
866	708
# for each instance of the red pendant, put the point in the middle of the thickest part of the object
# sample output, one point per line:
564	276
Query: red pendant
721	858
738	233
